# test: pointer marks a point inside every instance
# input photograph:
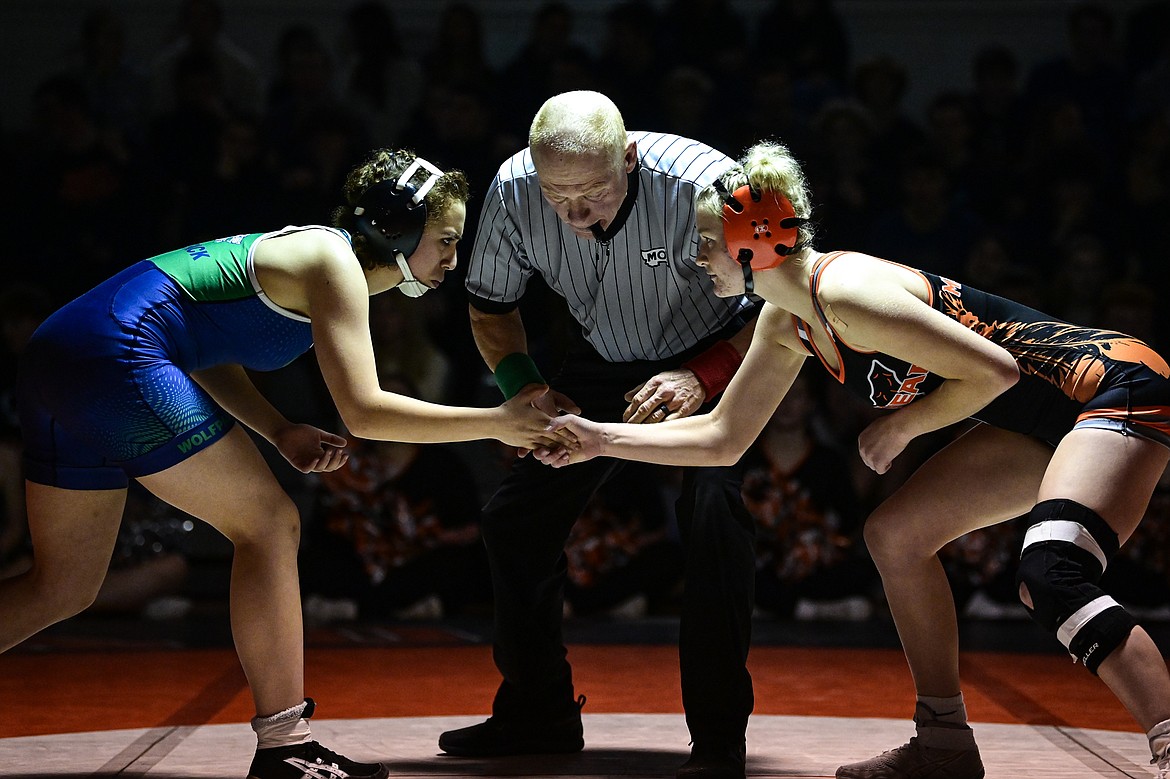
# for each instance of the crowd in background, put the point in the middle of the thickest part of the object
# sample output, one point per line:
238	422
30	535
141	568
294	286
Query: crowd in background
1047	182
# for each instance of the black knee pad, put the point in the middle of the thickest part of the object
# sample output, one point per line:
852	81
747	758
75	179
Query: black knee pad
1065	552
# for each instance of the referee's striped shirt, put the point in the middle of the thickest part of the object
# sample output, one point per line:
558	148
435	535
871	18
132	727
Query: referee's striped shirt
638	296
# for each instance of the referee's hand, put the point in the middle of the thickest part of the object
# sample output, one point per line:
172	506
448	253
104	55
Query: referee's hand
669	395
553	403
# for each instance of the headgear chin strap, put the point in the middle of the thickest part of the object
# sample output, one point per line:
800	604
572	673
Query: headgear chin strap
760	231
409	286
392	216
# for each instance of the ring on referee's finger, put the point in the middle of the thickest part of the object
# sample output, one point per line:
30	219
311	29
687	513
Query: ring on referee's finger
665	409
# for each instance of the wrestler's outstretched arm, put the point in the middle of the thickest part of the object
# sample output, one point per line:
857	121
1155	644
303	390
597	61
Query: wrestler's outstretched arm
337	297
716	438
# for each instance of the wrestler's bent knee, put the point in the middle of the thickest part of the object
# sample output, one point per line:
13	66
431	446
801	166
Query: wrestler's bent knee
1065	552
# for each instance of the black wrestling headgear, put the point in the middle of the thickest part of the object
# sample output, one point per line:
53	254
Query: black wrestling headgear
393	214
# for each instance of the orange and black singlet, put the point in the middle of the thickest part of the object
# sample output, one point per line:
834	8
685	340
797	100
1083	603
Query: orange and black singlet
1070	376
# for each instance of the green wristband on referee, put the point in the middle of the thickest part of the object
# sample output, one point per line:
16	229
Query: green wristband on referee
516	371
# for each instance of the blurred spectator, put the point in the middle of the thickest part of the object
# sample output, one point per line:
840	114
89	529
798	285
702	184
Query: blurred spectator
843	173
304	84
236	195
457	55
1148	52
717	30
1000	122
621	560
1068	200
15	545
199	31
1146	195
816	40
812	39
22	308
1132	308
380	81
1069	180
314	135
117	89
879	85
928	228
1080	273
570	69
686	96
981	567
326	146
630	58
457	126
1089	74
1147	38
1025	285
988	263
184	145
767	111
548	56
810	560
78	187
950	135
403	346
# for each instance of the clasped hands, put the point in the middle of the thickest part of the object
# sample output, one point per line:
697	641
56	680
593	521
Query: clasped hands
668	395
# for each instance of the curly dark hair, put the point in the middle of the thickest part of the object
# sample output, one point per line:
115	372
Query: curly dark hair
383	164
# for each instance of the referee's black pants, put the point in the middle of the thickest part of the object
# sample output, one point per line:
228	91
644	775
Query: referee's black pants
527	522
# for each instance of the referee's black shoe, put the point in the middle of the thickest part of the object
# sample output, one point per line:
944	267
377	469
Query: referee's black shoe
537	733
712	761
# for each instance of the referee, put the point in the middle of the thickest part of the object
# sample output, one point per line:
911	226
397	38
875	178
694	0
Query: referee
607	218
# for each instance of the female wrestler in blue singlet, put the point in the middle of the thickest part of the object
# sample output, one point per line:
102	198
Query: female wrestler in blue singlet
143	377
1076	435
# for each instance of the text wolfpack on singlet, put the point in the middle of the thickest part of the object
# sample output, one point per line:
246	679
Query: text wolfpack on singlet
199	438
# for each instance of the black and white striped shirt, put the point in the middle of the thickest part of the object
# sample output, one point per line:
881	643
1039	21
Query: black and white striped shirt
639	296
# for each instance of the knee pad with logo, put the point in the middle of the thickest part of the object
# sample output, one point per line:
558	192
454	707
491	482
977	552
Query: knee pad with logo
1065	552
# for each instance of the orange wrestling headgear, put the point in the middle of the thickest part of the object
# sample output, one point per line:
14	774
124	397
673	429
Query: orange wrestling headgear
760	232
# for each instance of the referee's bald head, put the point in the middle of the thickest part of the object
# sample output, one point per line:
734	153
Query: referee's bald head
578	124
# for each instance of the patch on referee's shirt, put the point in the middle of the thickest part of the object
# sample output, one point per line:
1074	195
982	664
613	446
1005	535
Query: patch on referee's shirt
653	257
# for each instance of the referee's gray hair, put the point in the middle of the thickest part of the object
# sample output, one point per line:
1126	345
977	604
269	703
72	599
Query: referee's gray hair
579	124
770	167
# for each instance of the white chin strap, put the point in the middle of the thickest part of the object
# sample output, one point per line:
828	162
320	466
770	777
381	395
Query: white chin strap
409	286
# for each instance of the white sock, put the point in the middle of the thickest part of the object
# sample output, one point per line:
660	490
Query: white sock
1159	737
951	709
282	729
946	727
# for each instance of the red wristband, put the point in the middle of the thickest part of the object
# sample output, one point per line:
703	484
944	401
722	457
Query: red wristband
715	367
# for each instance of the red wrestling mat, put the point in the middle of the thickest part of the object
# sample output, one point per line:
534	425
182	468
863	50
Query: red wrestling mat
85	690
